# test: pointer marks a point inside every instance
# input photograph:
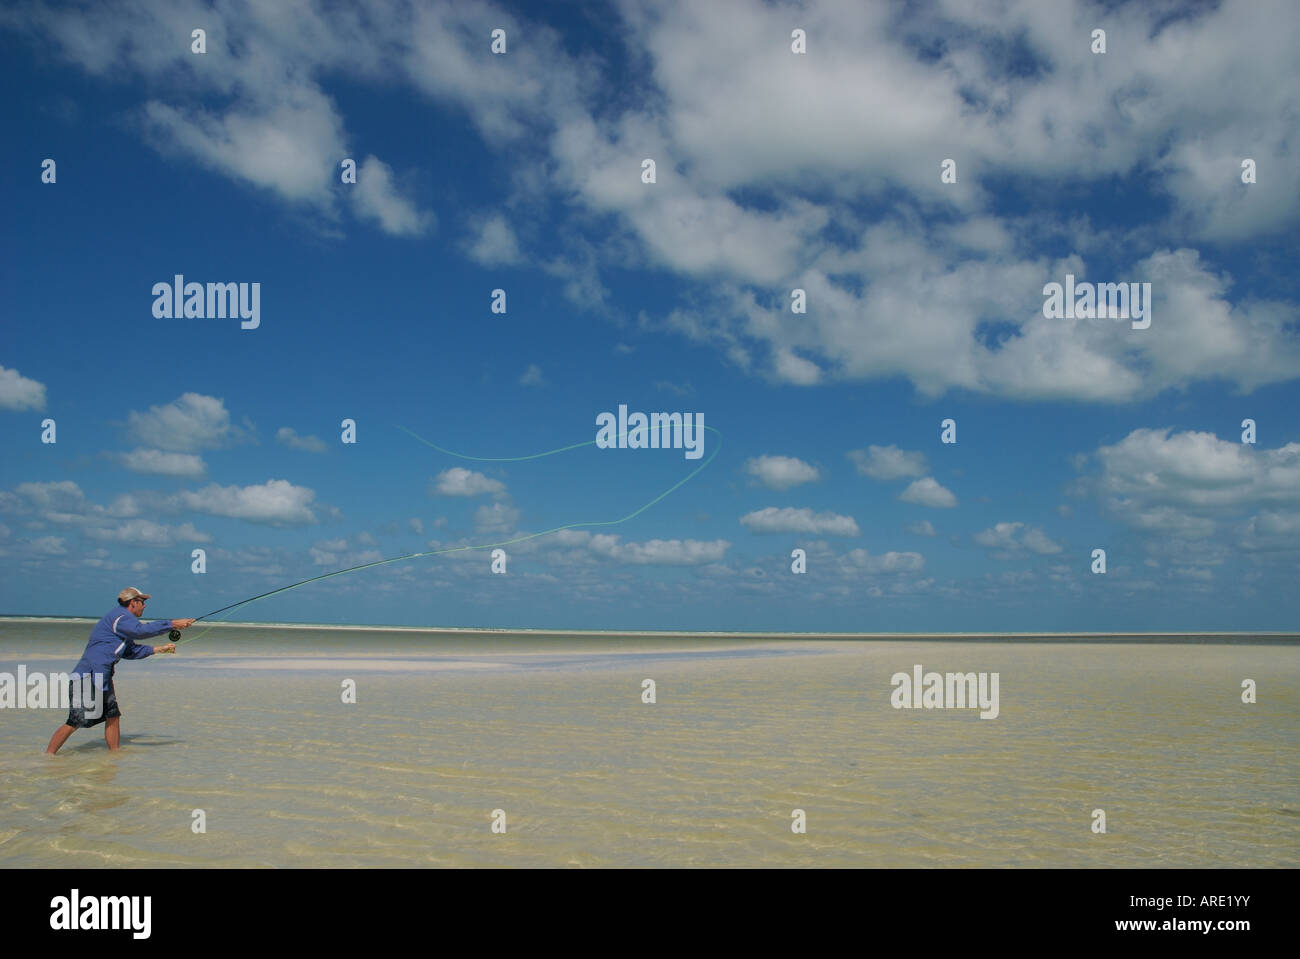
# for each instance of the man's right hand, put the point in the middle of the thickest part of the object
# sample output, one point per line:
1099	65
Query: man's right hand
182	623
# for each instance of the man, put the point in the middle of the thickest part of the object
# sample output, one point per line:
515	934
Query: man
112	638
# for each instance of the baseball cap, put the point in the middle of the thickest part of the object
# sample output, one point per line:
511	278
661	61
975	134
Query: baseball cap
129	594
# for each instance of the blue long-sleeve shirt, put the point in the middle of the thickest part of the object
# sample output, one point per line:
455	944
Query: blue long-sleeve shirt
114	637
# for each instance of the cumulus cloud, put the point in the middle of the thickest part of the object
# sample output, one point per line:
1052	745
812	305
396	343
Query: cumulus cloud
1001	536
1007	539
1190	485
287	436
1153	467
459	481
17	392
288	146
1271	530
497	518
276	502
47	546
791	520
923	528
144	532
1036	541
928	492
494	242
192	422
888	462
946	278
375	196
334	553
743	202
780	472
276	128
890	562
532	376
63	502
189	465
659	552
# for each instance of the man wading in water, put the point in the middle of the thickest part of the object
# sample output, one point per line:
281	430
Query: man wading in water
113	638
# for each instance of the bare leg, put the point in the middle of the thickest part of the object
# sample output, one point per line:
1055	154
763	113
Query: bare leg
59	738
112	731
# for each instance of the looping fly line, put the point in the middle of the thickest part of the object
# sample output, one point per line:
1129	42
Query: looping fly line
458	549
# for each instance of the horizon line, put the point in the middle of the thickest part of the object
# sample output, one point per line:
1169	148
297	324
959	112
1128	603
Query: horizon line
1167	634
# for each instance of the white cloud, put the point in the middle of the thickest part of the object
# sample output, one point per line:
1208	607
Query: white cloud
192	422
659	552
277	502
790	368
923	528
494	242
679	389
322	557
17	392
1186	485
63	502
780	472
888	462
890	562
497	518
375	197
47	546
459	481
1272	530
291	146
532	376
1001	536
1157	467
1007	539
926	288
1167	519
927	492
144	532
1189	95
287	436
189	465
1036	541
1271	523
791	520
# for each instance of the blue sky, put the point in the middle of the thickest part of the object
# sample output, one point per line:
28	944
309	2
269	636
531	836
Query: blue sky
775	171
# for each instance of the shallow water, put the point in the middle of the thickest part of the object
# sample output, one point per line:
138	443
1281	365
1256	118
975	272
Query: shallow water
249	726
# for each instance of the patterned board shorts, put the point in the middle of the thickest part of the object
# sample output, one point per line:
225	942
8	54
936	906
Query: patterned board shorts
78	709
